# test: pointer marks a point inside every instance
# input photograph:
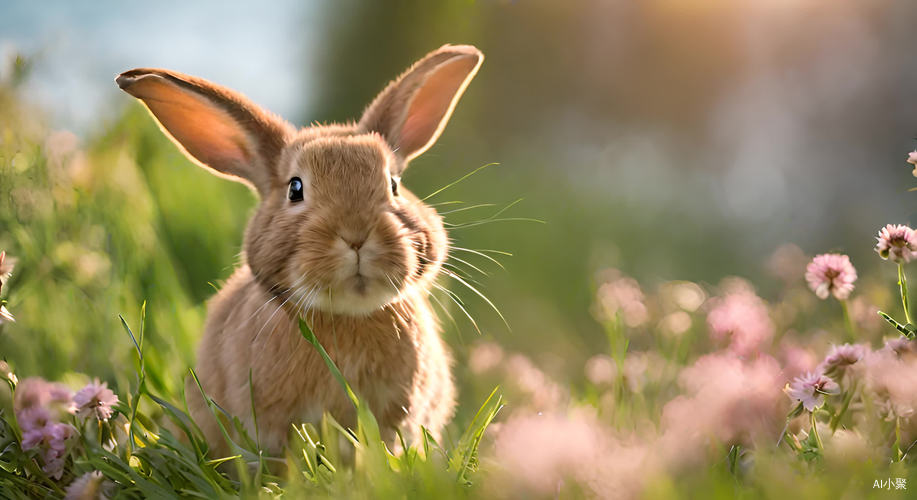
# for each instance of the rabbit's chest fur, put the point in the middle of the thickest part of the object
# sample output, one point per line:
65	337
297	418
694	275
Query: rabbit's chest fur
394	358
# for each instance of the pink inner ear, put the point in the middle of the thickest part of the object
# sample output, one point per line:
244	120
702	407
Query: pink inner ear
206	132
433	104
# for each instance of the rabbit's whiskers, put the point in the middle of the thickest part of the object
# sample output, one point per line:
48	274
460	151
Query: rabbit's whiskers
274	296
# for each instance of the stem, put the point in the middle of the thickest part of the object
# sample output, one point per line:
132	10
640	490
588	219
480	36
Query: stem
902	285
851	330
846	404
821	446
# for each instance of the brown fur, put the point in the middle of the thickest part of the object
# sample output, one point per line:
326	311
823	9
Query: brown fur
353	258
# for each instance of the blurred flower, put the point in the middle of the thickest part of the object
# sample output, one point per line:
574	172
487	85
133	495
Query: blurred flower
896	242
6	268
540	452
675	323
787	263
51	441
95	399
727	400
865	317
847	446
912	159
484	356
39	406
796	360
831	274
36	391
841	357
900	346
89	486
5	315
891	380
545	394
634	370
684	295
810	390
741	318
600	369
7	373
622	295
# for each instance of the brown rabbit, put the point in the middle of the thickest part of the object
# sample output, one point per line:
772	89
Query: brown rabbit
335	239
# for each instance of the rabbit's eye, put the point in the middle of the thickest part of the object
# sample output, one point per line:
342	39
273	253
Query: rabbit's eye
295	193
394	186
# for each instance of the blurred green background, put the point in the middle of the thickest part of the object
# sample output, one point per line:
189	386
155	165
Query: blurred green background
669	139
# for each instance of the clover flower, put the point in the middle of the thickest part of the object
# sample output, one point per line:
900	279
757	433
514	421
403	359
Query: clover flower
896	242
831	274
95	399
810	390
841	357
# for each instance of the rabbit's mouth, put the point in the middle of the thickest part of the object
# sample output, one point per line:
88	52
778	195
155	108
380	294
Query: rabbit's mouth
359	296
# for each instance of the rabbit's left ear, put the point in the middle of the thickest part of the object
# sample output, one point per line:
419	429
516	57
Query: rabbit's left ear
413	110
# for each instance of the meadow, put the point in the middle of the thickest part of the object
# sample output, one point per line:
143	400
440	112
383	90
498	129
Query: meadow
795	388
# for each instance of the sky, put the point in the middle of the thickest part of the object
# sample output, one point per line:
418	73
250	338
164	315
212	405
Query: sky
79	48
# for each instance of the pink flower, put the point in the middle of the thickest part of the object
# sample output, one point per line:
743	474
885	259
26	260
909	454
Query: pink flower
95	399
50	438
39	406
796	359
727	400
601	369
543	453
896	242
900	346
543	392
484	356
841	357
622	296
787	262
810	390
890	379
912	159
37	392
741	318
831	274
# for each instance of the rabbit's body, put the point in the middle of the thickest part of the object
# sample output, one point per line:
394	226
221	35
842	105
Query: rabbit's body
393	357
335	240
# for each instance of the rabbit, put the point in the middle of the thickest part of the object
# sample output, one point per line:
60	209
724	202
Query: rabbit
335	239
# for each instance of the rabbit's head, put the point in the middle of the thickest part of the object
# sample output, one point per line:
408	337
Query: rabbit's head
334	228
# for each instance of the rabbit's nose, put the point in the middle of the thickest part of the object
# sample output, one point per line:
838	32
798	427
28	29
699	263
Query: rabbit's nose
354	243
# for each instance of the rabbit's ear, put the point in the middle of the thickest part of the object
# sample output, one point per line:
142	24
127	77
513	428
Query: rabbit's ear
413	110
216	127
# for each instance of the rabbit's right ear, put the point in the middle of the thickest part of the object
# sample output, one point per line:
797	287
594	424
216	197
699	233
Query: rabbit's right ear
216	127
